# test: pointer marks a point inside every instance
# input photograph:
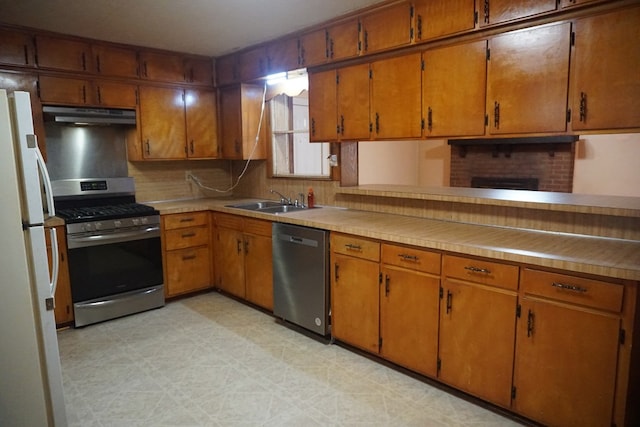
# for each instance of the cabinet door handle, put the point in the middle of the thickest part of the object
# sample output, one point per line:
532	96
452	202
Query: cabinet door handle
84	94
449	301
239	245
407	257
377	123
496	115
313	126
486	11
569	287
26	54
99	95
188	257
190	219
144	68
353	247
366	40
335	271
191	146
148	149
583	107
419	25
387	279
84	62
246	246
530	320
473	269
185	235
341	124
429	119
98	63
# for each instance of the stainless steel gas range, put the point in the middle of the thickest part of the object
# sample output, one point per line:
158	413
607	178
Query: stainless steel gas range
115	258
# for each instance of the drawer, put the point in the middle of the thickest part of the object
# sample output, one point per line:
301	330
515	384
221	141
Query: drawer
257	226
186	237
355	246
228	221
411	258
481	271
576	290
188	270
190	219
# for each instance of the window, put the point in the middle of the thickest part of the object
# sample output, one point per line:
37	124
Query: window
292	154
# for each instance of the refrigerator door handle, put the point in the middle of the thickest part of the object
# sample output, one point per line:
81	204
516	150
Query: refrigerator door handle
55	262
33	141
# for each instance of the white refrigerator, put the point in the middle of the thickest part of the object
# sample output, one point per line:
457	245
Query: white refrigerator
31	392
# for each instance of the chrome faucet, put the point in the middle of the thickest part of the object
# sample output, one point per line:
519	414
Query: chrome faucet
284	200
300	202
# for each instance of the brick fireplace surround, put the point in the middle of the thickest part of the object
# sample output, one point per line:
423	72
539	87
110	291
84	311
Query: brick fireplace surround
551	164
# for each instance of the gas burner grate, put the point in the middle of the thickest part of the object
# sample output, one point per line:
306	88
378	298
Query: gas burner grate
93	213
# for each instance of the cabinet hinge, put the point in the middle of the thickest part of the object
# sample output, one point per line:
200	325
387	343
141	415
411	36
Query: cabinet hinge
422	65
573	38
422	124
623	336
441	293
411	11
38	88
488	54
513	392
379	343
569	115
337	78
475	17
370	127
486	120
518	311
370	73
411	34
380	279
438	364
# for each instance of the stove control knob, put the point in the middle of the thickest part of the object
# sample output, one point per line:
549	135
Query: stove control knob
145	220
117	223
136	221
98	225
88	226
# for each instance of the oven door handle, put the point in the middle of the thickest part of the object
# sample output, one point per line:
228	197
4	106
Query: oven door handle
105	239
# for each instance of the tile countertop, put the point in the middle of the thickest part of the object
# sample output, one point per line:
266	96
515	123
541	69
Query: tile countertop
615	258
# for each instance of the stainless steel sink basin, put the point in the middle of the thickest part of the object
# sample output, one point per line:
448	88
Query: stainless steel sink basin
282	209
255	206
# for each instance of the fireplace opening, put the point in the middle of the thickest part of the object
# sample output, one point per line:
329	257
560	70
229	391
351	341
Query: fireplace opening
507	183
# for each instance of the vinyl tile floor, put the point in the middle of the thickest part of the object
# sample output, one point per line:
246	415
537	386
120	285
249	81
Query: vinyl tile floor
212	361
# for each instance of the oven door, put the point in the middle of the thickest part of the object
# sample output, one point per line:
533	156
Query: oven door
109	264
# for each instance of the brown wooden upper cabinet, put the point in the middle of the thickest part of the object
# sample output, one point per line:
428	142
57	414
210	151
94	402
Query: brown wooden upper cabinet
313	48
253	63
605	71
76	91
454	82
201	124
63	54
396	97
342	40
16	48
115	61
498	11
386	28
240	108
570	3
528	79
162	67
227	70
198	70
282	55
323	106
162	123
353	103
434	18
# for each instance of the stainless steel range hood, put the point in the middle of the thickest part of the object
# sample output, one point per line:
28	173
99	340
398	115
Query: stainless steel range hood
89	116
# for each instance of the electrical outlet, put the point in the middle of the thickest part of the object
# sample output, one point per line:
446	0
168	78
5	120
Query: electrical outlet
187	176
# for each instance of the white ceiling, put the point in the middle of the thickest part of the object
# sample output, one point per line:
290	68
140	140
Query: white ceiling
206	27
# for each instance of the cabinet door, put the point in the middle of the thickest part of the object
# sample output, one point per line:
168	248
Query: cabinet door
63	54
477	339
313	48
353	102
387	28
201	123
323	106
571	354
60	90
162	124
283	55
230	261
605	77
253	64
258	270
162	67
409	306
227	70
116	61
496	11
231	122
396	98
527	80
439	18
63	310
110	94
343	40
188	270
16	48
454	87
199	71
355	302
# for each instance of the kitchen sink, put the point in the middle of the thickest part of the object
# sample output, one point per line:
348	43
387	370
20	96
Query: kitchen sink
282	209
268	206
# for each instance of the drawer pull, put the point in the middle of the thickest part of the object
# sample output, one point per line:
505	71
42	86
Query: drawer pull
477	270
568	287
188	257
407	257
353	247
184	236
187	219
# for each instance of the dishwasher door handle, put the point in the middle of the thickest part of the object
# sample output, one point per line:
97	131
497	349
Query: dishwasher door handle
298	240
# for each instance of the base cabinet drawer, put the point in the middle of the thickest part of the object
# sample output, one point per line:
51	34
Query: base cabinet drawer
188	270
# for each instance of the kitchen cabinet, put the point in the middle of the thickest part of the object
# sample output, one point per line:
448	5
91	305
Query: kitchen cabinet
313	48
477	327
187	252
323	99
409	307
386	28
343	40
16	48
453	90
161	122
253	63
241	107
113	94
201	124
396	97
104	93
604	80
441	18
63	311
571	3
115	61
527	80
355	281
353	102
568	339
499	11
162	67
198	70
63	54
227	71
243	258
282	55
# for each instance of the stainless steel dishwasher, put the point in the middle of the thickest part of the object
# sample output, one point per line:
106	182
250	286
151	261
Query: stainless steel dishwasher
300	276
